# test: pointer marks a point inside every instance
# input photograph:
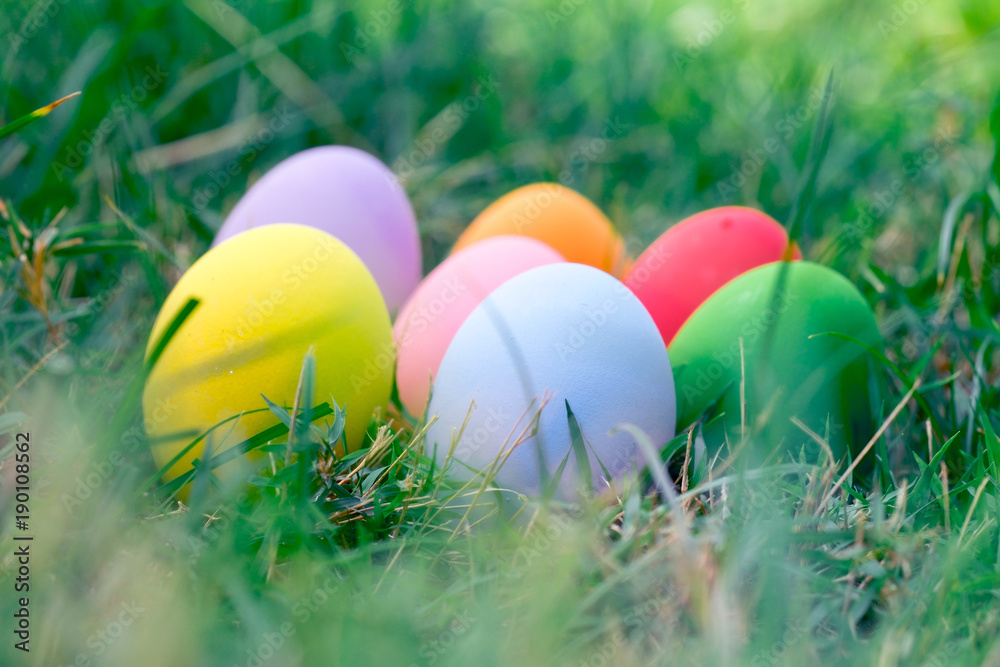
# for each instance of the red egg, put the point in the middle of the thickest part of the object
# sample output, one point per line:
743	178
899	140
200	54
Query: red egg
700	254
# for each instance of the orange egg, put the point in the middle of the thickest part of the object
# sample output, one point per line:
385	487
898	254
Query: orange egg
558	216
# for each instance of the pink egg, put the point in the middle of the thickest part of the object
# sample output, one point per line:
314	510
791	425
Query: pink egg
441	303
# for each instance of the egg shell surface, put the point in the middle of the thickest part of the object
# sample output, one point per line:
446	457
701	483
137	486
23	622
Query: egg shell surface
350	194
565	333
558	216
690	261
443	300
777	310
267	296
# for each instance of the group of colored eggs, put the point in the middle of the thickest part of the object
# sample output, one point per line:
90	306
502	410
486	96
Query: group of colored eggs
536	334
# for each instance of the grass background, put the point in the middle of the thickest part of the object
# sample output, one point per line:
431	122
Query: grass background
467	100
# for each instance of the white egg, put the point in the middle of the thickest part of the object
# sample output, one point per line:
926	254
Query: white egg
557	334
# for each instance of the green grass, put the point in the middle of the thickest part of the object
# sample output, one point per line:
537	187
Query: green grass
113	194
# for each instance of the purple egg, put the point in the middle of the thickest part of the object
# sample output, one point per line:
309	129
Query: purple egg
347	193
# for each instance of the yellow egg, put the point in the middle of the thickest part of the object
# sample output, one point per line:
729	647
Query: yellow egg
267	296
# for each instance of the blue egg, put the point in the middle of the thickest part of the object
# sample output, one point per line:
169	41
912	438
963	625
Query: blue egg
556	334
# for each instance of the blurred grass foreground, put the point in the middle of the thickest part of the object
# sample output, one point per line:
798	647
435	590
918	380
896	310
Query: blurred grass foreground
654	110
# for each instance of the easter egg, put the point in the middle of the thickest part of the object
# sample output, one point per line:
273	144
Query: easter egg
558	216
557	335
349	194
439	306
790	371
697	256
267	296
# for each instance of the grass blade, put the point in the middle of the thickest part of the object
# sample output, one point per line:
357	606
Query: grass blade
580	452
995	131
818	145
899	372
239	449
28	119
948	226
929	471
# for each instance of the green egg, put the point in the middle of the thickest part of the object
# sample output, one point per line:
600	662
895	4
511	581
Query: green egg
790	372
